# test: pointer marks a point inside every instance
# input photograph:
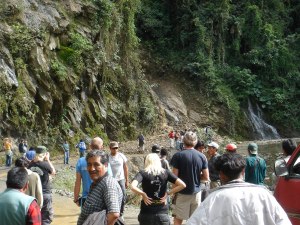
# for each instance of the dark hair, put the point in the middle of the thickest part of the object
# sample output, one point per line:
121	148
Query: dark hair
199	144
163	152
231	164
289	146
21	162
17	178
97	153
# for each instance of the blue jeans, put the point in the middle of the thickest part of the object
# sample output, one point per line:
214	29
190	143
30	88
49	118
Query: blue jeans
66	158
122	185
8	160
154	219
47	210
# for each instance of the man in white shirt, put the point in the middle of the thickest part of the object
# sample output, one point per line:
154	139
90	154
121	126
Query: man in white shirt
118	163
237	202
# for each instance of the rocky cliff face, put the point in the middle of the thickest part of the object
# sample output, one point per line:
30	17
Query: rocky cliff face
69	68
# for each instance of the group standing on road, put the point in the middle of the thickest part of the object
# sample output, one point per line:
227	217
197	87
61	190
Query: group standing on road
206	189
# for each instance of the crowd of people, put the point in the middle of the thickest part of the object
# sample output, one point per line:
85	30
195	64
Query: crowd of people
201	187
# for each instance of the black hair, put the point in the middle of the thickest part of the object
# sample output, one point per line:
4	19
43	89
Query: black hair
163	152
21	162
289	146
199	144
97	153
17	178
231	164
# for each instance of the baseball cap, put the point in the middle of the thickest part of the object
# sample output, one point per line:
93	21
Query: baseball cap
252	147
114	144
231	147
155	148
213	144
41	149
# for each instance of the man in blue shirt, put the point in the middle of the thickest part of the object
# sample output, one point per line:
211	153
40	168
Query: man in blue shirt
83	175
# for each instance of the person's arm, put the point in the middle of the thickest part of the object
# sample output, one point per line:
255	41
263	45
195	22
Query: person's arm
175	171
33	216
77	188
135	189
47	159
178	186
125	167
39	191
204	174
112	218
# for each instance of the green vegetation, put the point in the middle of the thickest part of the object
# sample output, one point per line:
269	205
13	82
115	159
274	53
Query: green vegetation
236	49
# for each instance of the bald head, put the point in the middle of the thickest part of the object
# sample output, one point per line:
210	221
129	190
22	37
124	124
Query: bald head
96	144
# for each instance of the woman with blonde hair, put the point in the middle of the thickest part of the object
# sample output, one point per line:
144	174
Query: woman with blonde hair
7	145
154	179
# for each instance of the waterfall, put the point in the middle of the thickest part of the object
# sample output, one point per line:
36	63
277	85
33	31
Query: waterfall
261	129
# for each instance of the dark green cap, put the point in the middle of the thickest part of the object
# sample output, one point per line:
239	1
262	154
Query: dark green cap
252	147
41	149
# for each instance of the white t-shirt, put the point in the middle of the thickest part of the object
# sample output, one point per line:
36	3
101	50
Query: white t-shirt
117	165
244	205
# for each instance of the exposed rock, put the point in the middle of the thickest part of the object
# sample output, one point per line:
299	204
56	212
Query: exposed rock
7	75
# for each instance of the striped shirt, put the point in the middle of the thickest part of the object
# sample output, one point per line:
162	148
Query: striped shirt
104	194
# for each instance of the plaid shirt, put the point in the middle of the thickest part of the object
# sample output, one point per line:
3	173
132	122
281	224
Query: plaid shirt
104	194
33	214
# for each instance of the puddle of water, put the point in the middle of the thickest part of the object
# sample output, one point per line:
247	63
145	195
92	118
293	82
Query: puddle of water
65	210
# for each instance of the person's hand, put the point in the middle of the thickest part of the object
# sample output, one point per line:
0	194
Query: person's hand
76	202
146	199
47	156
126	184
163	200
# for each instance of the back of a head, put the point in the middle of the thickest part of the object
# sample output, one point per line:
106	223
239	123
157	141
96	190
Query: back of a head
155	148
97	153
17	178
289	146
163	152
153	164
96	143
199	144
231	164
189	139
21	162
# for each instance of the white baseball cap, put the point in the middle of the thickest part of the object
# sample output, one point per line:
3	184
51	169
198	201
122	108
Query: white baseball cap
213	144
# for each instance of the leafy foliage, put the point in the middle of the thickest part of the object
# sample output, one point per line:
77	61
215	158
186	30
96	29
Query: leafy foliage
238	49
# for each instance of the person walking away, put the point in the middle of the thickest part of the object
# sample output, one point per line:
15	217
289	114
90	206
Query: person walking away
30	154
44	167
16	207
237	202
66	148
191	167
255	171
141	140
34	182
118	163
154	180
7	145
105	192
213	173
82	148
22	147
163	159
171	138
